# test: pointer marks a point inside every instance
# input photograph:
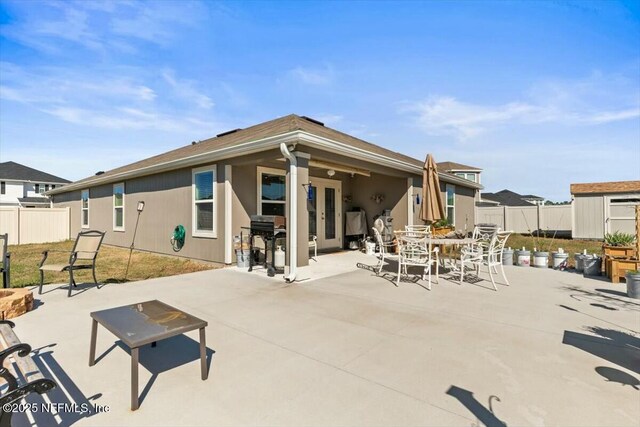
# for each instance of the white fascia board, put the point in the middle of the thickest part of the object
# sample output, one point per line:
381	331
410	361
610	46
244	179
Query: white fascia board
359	153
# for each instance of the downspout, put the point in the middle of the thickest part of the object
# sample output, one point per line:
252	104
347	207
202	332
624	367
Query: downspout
292	221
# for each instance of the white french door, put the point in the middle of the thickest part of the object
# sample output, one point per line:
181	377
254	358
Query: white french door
325	212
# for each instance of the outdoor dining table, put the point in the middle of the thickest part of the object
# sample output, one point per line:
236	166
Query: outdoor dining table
443	241
145	323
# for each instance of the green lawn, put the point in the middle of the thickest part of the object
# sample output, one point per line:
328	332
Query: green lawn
517	241
110	265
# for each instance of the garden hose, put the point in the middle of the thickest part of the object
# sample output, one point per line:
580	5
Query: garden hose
177	239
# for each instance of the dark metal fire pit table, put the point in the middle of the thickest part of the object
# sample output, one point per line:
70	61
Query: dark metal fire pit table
146	323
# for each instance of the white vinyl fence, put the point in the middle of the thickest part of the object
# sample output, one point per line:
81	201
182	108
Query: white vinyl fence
35	225
527	219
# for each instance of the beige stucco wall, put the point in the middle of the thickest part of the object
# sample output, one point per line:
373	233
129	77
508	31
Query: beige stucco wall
168	202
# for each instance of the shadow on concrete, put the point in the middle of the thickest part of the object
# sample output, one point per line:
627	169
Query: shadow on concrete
63	406
605	307
613	292
603	296
617	376
389	272
166	355
615	346
484	415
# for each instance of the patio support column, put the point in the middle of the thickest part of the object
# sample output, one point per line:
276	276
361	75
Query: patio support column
302	211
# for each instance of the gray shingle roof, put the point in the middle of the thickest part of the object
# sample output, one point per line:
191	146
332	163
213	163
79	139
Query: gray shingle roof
13	170
34	200
271	128
506	198
453	166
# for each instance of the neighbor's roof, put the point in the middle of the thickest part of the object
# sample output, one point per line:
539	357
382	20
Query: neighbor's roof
18	172
272	128
606	187
34	200
506	198
453	166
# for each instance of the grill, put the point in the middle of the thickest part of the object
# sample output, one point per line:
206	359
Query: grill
268	228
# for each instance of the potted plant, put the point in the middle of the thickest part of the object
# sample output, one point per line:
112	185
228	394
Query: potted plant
633	284
441	227
619	245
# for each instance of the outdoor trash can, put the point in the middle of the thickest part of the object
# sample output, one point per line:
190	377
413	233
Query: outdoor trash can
507	257
579	258
591	265
242	258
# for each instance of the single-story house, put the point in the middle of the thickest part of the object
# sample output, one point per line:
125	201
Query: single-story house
213	187
604	207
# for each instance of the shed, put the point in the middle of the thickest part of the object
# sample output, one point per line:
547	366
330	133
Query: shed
604	207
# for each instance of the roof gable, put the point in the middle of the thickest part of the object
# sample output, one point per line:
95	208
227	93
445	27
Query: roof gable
18	172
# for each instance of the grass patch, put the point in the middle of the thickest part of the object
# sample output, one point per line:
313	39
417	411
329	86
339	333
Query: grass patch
111	265
570	246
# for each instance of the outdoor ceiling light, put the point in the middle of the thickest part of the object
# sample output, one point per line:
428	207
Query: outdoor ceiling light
331	172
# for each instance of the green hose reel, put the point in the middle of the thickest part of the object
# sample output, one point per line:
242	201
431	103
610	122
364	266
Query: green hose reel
177	239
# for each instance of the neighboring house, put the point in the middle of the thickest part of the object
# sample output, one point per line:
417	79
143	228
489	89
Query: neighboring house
213	187
508	198
604	207
24	186
471	173
534	200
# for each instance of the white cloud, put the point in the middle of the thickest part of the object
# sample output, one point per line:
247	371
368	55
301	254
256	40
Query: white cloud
101	26
109	101
592	101
313	76
185	89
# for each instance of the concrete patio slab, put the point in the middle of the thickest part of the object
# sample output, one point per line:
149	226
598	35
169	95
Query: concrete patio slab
351	348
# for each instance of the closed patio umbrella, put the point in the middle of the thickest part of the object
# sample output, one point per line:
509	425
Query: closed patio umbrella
432	207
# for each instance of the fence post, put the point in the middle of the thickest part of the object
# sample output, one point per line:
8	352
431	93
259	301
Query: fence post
539	219
504	217
18	222
69	222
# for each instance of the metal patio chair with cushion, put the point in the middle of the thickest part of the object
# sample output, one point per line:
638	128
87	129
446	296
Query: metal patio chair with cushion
81	257
5	262
414	250
383	249
477	256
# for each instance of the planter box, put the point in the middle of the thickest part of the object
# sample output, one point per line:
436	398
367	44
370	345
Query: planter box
620	266
441	231
619	251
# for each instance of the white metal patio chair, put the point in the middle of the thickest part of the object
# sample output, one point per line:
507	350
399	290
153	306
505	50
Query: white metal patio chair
423	228
477	256
414	250
313	243
383	249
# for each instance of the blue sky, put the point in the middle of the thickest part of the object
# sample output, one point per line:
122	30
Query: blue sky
538	94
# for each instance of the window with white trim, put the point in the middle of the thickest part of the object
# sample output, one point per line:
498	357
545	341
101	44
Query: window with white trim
204	201
470	176
118	207
451	203
272	192
84	209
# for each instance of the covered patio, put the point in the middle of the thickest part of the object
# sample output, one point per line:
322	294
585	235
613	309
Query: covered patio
353	349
